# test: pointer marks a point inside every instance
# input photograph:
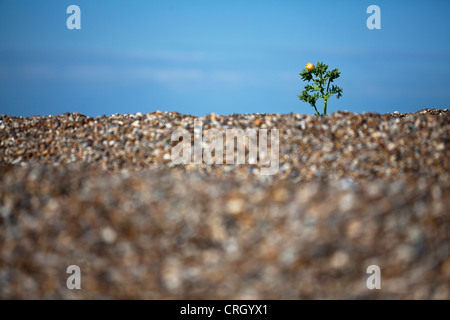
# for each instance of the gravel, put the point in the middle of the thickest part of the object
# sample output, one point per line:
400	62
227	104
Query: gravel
352	190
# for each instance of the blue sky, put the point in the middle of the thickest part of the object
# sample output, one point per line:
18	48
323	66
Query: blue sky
198	57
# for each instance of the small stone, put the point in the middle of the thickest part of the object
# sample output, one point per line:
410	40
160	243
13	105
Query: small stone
108	235
405	253
354	228
235	205
281	195
347	202
445	268
339	260
171	274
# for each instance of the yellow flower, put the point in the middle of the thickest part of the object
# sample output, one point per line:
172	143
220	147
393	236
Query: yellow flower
309	66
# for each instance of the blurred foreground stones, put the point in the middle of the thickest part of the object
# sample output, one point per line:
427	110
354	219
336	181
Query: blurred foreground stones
353	190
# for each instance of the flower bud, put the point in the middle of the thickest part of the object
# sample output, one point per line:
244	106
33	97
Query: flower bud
309	66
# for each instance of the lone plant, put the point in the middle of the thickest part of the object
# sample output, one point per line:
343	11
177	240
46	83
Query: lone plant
321	78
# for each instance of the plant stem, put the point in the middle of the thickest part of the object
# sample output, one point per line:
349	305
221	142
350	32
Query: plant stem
325	101
317	112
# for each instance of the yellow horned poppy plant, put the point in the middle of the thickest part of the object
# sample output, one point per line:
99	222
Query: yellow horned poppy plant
320	80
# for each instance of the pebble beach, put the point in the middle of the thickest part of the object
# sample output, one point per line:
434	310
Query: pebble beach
351	191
